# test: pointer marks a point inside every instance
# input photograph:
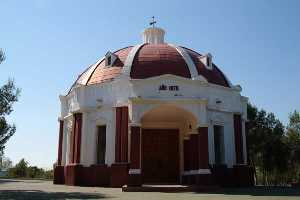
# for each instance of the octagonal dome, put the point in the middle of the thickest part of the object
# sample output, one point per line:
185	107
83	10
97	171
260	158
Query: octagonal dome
153	59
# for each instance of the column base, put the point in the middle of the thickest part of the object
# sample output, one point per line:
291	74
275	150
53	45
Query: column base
96	175
73	174
58	175
198	177
244	175
223	175
119	174
134	177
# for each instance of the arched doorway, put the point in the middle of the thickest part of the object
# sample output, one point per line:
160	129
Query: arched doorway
163	131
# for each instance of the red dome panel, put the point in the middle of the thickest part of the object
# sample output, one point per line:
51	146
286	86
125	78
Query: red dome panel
214	76
102	73
158	59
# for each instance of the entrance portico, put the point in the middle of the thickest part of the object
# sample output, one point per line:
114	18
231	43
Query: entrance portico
159	148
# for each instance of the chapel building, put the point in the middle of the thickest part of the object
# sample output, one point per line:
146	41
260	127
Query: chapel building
153	113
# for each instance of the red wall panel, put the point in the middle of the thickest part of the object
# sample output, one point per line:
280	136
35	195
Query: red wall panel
135	152
60	141
121	145
78	127
124	135
118	134
238	139
203	146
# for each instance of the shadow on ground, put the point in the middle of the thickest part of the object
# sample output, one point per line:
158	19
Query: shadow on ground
9	181
41	195
260	191
21	180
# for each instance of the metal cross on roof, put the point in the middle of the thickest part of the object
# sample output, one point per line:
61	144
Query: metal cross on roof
153	22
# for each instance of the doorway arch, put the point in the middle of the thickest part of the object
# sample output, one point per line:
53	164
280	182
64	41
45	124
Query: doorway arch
164	128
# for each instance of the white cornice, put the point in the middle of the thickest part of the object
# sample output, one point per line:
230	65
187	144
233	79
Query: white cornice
168	100
183	79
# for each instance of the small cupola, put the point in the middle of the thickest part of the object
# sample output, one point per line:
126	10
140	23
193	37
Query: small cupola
153	35
110	58
207	61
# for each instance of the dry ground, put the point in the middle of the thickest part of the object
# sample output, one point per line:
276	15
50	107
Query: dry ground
36	190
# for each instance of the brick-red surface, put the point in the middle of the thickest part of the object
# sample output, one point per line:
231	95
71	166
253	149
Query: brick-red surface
160	155
238	139
121	145
187	154
95	175
60	141
73	174
214	76
124	134
135	150
244	175
223	175
119	174
58	175
78	129
203	146
204	179
103	73
154	60
118	134
158	59
194	151
135	180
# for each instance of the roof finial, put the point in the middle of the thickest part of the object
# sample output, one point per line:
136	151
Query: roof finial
153	22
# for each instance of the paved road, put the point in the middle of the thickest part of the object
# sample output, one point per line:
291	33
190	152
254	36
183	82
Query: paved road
37	190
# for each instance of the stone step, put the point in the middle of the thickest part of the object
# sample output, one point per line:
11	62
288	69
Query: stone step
169	188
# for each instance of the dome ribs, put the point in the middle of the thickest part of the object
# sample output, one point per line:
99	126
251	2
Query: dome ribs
214	76
152	60
158	59
103	73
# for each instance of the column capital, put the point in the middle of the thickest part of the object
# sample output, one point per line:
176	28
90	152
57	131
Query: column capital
134	171
202	125
133	124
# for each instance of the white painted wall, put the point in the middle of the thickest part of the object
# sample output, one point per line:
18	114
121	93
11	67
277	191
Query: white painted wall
97	103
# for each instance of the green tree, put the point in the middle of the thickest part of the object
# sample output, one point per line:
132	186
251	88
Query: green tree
35	172
48	174
293	141
8	96
267	146
2	56
20	169
5	163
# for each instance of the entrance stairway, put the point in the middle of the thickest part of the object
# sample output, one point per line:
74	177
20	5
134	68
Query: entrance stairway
169	188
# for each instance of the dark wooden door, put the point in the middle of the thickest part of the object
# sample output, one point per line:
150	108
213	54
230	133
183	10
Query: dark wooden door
160	155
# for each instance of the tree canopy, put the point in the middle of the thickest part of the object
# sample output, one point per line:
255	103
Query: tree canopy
2	56
274	150
8	96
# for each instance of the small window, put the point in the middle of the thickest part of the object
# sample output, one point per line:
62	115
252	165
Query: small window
208	61
219	145
109	60
101	144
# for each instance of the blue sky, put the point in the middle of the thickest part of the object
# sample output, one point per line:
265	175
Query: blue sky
48	43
